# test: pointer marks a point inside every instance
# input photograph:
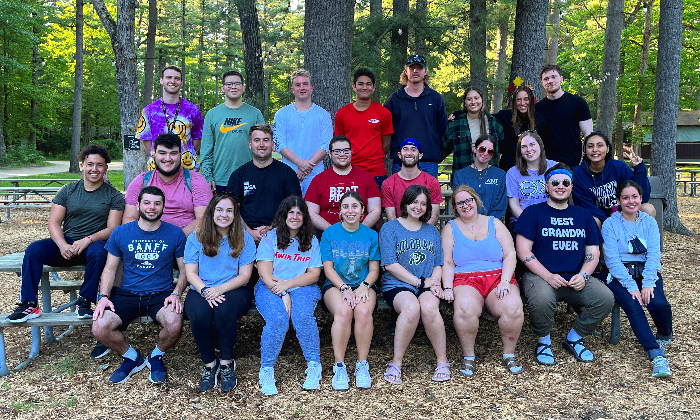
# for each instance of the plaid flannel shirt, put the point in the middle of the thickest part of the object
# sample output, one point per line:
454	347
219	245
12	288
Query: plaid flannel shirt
458	138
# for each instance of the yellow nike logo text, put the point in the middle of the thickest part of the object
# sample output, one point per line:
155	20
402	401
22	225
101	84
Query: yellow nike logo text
227	129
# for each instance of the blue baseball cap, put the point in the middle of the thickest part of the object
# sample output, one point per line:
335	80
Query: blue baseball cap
411	142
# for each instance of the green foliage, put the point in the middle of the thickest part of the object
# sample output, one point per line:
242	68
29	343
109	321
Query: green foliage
23	405
69	365
20	156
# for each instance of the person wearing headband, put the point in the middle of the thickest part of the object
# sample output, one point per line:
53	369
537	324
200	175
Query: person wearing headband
559	245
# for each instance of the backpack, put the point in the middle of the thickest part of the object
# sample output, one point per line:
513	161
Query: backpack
186	173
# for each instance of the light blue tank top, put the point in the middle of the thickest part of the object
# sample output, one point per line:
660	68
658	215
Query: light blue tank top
472	256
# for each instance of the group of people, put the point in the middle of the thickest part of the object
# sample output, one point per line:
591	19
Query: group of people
241	227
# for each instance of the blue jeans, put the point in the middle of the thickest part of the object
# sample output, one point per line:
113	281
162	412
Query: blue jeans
659	309
46	252
270	306
218	323
431	168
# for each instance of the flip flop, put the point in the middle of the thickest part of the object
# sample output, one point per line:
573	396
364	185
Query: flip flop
577	348
393	374
543	353
442	373
513	363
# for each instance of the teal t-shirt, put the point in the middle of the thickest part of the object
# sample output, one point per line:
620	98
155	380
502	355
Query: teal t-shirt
225	141
350	252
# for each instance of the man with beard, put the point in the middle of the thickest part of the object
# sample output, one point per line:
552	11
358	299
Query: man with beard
187	192
323	195
261	184
416	109
567	116
394	186
149	249
172	114
368	126
558	243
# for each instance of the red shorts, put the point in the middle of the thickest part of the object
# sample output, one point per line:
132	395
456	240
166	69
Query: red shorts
483	281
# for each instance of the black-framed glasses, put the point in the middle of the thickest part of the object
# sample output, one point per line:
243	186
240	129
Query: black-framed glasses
338	152
565	182
483	149
232	84
465	202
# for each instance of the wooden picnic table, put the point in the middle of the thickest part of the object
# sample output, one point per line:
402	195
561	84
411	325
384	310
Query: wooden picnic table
46	182
26	197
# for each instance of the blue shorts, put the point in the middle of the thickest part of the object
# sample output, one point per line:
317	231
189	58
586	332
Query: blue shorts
390	295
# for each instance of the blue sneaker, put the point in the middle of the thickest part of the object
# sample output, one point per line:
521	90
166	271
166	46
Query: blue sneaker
157	369
128	368
313	376
661	367
362	378
266	379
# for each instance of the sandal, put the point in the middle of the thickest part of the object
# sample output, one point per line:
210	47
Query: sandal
577	348
544	354
442	373
513	365
469	368
393	374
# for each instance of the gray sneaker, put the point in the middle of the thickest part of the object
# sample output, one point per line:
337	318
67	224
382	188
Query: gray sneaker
266	379
341	382
661	368
362	378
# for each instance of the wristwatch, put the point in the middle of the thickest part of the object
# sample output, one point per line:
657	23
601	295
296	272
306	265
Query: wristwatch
100	296
367	285
586	276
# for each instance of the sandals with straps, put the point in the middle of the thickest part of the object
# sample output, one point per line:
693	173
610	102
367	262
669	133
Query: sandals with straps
393	374
442	373
469	368
544	352
513	365
577	349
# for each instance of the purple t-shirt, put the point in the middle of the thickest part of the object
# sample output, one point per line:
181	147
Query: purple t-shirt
187	125
528	190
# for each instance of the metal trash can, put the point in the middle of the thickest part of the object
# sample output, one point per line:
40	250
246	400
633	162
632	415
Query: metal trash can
656	198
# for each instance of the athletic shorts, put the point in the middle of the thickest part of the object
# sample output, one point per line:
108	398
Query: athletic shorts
390	295
483	281
129	306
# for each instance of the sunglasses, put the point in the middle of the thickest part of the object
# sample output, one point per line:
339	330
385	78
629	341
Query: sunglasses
483	149
556	182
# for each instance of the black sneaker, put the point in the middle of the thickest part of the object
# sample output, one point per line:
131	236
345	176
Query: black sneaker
209	377
100	350
25	310
228	377
83	308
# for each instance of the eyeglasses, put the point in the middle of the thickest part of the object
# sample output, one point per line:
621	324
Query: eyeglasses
338	152
483	149
465	202
556	182
232	84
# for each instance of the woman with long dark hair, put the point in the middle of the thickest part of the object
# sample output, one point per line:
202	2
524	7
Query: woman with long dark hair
289	263
219	259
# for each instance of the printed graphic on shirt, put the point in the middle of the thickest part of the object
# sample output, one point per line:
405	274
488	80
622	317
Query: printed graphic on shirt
558	244
146	250
373	121
605	195
292	257
248	189
530	188
417	258
337	192
415	245
492	181
348	257
231	124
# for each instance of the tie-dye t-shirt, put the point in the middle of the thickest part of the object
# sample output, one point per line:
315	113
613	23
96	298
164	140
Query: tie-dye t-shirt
188	126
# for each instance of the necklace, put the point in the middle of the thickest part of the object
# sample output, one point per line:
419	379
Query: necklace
302	115
168	124
473	225
636	224
480	173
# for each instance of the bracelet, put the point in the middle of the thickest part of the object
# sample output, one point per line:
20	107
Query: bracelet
344	288
203	290
175	294
89	238
367	285
446	288
283	293
100	296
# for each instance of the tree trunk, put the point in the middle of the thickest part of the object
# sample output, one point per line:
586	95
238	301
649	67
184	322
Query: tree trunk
121	34
183	63
200	62
149	62
552	49
421	17
607	103
252	53
643	62
529	40
399	44
376	14
477	44
3	147
668	74
618	138
34	103
157	88
500	83
78	90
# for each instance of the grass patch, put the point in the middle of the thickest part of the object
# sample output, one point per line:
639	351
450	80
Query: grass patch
23	405
116	178
69	365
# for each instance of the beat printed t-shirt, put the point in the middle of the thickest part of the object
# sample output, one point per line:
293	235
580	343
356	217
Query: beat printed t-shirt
394	187
148	256
417	251
560	236
219	269
365	130
288	263
350	252
187	126
327	188
179	201
87	211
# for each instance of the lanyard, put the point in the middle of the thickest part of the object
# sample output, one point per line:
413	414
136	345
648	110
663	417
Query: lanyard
171	125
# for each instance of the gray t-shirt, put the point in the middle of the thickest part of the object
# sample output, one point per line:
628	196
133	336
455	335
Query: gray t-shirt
87	211
418	252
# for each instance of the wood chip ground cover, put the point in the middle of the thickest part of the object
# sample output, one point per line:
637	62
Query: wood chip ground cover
64	383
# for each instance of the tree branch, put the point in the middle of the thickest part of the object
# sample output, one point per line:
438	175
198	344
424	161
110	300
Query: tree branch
633	14
106	18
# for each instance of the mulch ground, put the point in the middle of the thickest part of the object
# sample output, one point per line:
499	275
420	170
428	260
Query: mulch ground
64	383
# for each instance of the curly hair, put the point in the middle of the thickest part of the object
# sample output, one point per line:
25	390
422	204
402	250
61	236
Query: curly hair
94	149
517	119
306	232
209	236
410	195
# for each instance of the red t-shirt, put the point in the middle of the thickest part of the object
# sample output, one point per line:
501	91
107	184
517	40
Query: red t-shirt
394	187
327	187
365	130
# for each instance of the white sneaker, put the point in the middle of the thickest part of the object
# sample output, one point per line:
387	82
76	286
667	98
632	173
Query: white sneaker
341	382
362	378
313	376
266	379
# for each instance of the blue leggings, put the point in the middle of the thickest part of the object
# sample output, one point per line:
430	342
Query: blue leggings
46	252
270	306
220	322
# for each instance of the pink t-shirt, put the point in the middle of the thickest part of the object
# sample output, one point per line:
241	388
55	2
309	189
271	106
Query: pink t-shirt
327	187
179	201
394	187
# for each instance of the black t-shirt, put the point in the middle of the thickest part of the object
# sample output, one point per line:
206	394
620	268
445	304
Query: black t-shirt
261	190
562	115
510	137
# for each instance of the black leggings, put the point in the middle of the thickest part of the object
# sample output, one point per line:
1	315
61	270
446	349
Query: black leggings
219	323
